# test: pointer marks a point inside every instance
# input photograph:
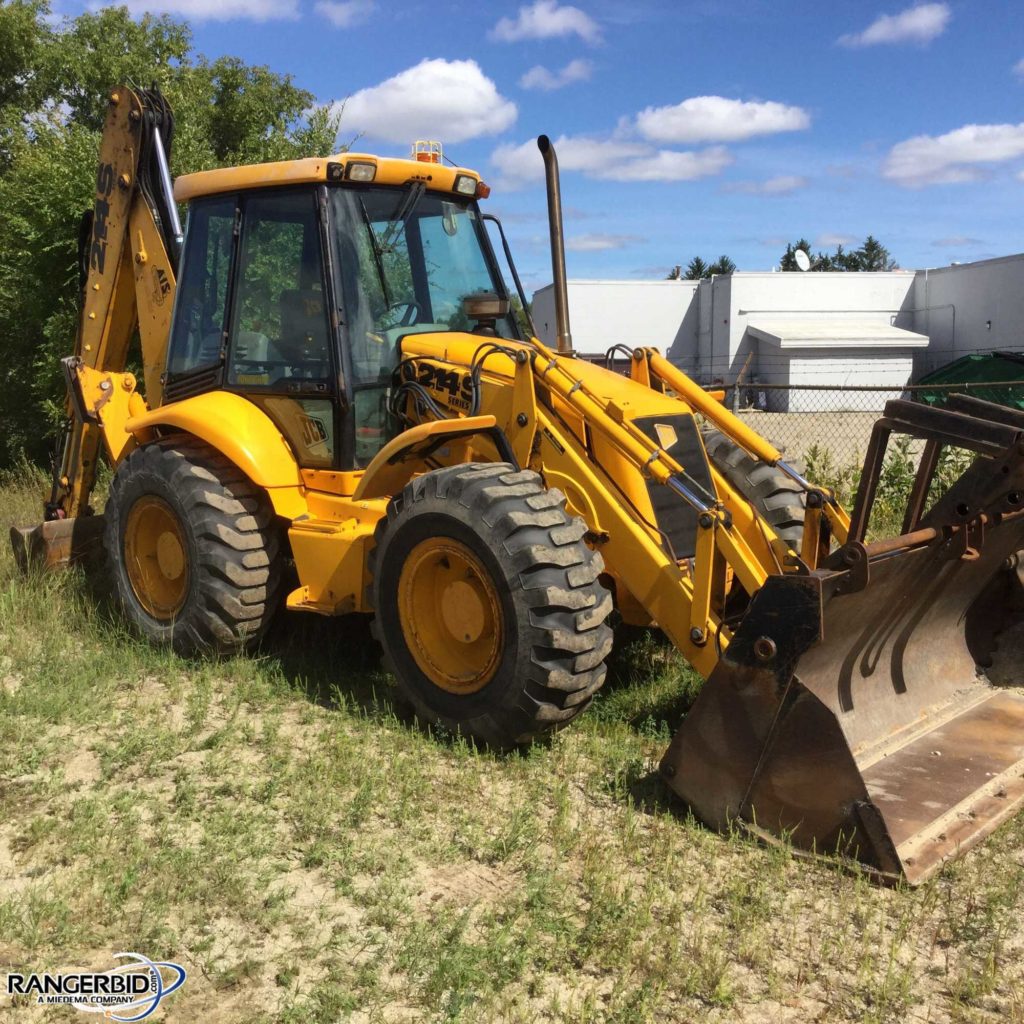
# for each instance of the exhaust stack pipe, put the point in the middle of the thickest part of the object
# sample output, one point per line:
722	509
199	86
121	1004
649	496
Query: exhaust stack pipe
564	341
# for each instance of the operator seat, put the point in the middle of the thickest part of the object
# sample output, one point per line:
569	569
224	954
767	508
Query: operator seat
304	331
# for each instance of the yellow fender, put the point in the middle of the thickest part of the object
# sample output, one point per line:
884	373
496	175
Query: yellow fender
242	433
403	456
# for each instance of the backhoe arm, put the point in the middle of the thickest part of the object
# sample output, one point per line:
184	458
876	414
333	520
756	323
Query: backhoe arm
128	257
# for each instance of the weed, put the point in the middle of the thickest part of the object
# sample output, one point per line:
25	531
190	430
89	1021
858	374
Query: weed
313	857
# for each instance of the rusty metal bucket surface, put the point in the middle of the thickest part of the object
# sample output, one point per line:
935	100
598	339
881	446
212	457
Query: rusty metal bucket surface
58	543
864	727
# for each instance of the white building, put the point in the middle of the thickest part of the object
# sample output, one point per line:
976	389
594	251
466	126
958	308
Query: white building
828	329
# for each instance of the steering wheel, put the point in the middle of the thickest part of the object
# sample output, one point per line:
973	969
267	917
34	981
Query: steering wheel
409	317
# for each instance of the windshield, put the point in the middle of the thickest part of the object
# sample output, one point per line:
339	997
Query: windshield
408	258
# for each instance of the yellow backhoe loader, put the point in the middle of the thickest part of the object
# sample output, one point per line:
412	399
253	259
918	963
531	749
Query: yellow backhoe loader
336	394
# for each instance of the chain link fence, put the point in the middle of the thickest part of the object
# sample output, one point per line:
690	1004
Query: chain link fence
827	420
809	423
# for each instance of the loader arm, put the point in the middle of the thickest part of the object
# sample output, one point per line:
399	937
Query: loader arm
595	436
128	260
835	683
856	661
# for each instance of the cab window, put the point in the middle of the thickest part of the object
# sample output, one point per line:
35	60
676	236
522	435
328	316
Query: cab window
281	332
407	258
197	337
280	338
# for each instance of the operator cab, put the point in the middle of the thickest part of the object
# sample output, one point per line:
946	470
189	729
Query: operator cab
296	293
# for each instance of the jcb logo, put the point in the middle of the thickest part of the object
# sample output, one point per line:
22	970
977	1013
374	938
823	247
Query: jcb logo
104	186
313	431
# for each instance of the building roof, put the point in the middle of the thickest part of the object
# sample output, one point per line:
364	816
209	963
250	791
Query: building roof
832	333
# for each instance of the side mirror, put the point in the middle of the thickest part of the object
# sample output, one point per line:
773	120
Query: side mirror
485	308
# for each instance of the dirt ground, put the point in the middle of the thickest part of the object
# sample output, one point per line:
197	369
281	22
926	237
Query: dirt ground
1008	659
844	435
278	827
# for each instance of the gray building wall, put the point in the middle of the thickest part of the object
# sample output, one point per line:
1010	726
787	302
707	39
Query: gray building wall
702	326
970	308
865	298
633	313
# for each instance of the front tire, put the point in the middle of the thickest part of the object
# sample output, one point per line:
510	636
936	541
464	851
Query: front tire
488	604
778	498
191	547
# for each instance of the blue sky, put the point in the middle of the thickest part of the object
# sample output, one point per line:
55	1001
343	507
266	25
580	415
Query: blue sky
687	128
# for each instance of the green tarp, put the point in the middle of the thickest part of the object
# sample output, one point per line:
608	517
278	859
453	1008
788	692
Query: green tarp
980	374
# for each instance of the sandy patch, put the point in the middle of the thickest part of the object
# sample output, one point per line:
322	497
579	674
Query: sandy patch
82	770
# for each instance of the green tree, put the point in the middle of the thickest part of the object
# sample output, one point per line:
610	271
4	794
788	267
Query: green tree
23	35
872	255
697	269
54	83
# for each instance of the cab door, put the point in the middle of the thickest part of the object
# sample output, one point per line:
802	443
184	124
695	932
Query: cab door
280	350
253	315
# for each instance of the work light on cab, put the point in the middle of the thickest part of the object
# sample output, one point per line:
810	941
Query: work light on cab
361	170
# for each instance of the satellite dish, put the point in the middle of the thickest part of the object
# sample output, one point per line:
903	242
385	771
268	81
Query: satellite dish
803	261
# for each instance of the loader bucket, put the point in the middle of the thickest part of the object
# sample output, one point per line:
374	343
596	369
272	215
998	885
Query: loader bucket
58	543
848	712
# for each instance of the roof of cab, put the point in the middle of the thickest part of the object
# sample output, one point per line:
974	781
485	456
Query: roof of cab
390	171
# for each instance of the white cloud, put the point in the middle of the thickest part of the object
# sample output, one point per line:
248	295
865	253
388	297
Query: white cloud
1018	68
227	10
545	19
954	157
955	242
599	242
782	185
539	77
829	241
919	24
717	119
345	13
669	165
608	159
439	99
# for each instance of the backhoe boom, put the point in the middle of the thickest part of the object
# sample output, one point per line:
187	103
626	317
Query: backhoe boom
128	266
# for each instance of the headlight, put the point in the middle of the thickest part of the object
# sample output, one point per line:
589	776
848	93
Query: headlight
359	170
465	185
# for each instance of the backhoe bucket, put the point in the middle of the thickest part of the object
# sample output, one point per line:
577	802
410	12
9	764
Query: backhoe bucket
58	543
848	713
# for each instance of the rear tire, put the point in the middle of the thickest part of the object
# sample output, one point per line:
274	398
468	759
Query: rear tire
488	604
191	548
777	498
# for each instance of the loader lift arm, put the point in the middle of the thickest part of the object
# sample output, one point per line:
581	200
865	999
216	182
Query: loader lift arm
857	661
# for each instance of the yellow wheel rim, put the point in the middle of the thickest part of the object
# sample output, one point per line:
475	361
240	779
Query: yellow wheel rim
156	557
450	615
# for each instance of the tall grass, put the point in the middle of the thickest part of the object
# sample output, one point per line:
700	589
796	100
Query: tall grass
894	482
279	826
